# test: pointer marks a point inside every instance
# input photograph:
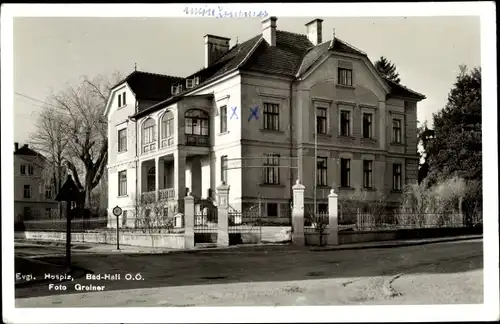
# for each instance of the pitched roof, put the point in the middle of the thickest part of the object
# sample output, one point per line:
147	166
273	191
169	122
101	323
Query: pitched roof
150	86
293	54
313	55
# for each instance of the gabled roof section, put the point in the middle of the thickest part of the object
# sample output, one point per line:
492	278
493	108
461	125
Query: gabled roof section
284	59
399	90
150	86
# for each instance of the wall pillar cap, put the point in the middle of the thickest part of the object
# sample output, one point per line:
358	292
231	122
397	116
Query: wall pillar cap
333	194
298	186
223	186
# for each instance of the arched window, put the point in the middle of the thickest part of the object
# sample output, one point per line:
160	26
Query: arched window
149	135
167	129
151	181
196	122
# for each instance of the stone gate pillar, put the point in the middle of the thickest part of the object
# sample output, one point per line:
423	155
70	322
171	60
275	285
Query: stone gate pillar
189	222
298	214
223	215
333	219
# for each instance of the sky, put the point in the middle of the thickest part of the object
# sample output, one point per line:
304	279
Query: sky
52	52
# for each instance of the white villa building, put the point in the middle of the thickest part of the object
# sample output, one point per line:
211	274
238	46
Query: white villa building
250	118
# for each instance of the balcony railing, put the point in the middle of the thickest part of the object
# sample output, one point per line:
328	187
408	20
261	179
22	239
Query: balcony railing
163	194
197	140
166	142
146	148
166	194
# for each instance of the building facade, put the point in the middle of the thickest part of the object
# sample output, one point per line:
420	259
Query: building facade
33	196
260	115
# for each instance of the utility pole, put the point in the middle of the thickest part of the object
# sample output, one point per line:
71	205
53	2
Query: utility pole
315	158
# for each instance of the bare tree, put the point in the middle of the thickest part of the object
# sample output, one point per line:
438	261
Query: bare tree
51	141
85	129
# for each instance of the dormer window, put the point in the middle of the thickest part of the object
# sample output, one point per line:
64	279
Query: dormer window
176	89
191	83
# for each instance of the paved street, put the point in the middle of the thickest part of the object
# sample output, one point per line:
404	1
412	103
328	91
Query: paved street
448	272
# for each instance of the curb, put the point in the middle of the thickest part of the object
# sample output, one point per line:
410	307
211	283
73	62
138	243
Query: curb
358	246
395	244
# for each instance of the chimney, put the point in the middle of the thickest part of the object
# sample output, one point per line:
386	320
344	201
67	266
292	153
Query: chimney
269	30
215	48
315	31
16	146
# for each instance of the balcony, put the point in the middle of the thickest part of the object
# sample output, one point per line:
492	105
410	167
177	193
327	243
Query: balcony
167	194
197	140
163	194
167	142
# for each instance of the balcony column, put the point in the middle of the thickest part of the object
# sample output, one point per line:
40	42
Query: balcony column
159	167
180	178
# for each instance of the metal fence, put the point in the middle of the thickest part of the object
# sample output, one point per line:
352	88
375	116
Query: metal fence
316	222
399	220
245	222
59	225
205	222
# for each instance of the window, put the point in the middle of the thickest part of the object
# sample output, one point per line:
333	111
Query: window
367	173
271	116
272	210
271	169
367	125
149	135
322	171
345	123
396	130
167	129
48	192
48	212
30	169
124	98
345	76
223	119
223	168
151	179
321	120
396	177
27	191
23	169
196	122
119	100
122	183
345	172
122	140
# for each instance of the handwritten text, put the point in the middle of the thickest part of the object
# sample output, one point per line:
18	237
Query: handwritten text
221	12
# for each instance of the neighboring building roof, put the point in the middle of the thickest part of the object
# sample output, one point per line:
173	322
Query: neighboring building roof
399	90
26	151
150	86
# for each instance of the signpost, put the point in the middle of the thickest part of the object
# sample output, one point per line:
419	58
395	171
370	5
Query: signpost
68	193
117	211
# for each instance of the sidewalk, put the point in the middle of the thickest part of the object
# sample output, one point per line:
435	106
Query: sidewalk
95	248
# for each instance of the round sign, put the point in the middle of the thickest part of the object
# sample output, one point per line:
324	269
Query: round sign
117	211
